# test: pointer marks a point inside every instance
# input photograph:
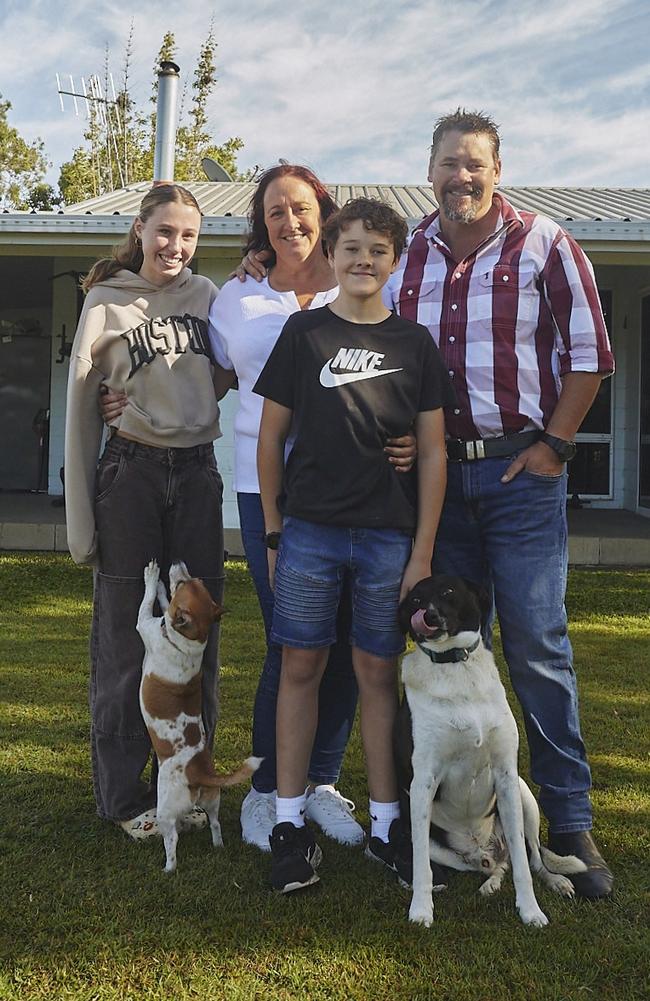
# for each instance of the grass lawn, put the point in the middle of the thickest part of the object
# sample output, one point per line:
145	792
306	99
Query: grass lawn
86	914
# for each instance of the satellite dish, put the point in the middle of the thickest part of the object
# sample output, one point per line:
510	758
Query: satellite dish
214	171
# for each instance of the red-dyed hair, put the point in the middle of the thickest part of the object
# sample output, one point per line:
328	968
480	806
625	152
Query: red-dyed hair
258	237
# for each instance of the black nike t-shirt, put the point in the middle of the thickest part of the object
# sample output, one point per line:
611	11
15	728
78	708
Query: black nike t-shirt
350	387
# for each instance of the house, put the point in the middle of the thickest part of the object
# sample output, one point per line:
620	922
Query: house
42	256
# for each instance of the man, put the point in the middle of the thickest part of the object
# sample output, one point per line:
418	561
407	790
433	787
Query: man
511	301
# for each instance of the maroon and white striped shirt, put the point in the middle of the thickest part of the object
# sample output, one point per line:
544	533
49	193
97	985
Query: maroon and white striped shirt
509	320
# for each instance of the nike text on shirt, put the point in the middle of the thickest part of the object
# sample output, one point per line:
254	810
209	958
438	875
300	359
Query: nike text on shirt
355	364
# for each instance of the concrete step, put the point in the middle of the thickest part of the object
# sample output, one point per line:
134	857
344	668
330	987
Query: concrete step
597	537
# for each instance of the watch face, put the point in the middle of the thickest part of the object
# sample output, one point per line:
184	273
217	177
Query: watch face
564	449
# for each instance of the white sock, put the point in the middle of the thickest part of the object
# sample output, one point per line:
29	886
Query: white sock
381	817
291	810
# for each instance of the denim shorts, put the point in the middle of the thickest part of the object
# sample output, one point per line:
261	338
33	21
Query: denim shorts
313	561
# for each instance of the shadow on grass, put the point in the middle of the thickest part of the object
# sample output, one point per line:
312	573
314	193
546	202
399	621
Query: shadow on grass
88	914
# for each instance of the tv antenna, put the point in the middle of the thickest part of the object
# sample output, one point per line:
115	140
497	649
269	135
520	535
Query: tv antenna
107	127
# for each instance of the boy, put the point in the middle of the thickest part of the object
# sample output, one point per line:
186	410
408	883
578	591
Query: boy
347	376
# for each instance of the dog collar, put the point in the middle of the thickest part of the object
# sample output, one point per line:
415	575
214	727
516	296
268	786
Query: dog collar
455	655
168	637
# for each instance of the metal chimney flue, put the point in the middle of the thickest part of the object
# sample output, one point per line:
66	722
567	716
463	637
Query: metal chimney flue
166	122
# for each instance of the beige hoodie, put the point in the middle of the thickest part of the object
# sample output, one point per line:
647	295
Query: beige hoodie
152	343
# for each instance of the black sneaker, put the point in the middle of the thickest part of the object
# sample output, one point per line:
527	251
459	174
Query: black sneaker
396	854
295	857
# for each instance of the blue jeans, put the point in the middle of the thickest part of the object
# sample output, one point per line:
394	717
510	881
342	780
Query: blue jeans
513	538
337	698
314	561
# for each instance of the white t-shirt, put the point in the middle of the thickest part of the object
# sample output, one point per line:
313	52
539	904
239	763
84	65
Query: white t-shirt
245	321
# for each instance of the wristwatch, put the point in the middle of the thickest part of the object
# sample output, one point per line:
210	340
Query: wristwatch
565	450
272	540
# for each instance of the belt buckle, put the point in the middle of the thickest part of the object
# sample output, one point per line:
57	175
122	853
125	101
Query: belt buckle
474	450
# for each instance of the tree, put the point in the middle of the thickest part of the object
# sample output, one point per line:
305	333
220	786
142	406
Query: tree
42	197
22	168
193	140
77	177
120	137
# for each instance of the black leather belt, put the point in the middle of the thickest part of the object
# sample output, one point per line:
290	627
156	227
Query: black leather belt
490	448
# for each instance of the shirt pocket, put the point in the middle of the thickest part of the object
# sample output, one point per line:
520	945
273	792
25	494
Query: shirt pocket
413	298
513	292
110	471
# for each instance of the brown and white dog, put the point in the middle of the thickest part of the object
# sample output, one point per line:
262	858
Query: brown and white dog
456	746
170	700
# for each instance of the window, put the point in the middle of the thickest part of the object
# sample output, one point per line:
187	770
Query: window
590	471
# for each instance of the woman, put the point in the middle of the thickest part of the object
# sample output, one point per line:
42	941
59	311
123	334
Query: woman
156	492
286	215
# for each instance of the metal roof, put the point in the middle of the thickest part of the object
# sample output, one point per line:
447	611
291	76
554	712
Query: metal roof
607	219
413	201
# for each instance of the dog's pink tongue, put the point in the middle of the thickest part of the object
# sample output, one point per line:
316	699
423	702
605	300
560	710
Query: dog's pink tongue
420	625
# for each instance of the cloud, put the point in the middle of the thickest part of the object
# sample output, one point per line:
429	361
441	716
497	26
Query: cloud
354	90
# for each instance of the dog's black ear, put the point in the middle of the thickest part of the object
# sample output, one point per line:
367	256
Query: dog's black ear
484	598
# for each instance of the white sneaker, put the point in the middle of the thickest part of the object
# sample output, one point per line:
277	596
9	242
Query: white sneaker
333	814
141	827
257	818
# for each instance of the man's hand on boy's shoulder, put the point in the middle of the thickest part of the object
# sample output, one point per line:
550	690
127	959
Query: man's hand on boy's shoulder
402	452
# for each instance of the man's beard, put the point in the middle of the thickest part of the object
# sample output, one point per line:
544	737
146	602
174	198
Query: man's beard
454	213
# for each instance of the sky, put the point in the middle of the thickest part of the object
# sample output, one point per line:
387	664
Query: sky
353	90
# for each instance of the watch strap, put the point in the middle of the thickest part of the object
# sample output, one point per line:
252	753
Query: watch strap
272	540
565	450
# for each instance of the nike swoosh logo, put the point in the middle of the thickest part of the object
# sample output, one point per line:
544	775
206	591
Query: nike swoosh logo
329	379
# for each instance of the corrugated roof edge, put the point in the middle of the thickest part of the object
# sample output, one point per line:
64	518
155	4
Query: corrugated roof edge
411	200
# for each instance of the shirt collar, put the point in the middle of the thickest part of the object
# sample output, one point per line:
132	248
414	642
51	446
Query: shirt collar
507	219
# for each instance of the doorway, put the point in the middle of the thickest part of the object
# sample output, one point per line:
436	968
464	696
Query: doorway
25	359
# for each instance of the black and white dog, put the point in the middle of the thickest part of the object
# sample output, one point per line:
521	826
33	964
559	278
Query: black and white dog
456	744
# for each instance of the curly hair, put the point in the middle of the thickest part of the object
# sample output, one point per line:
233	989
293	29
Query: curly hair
128	254
375	215
258	236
